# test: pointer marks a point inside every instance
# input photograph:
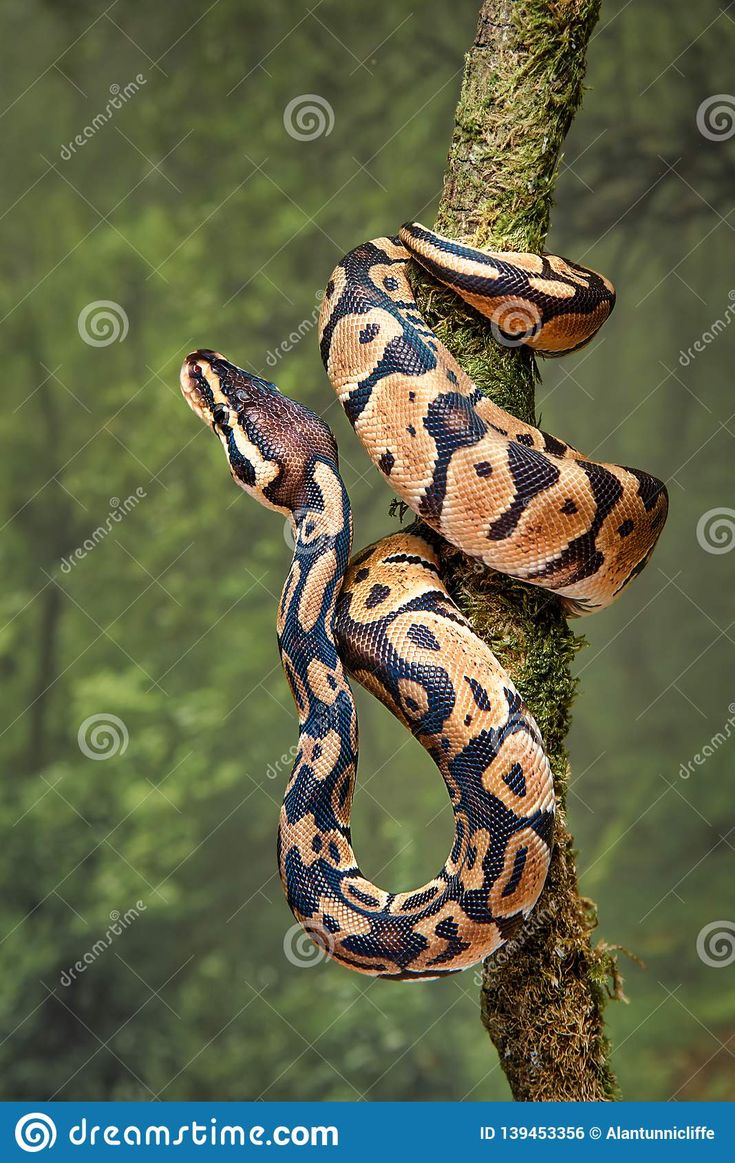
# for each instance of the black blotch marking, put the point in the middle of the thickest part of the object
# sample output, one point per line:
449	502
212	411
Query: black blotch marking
413	559
364	897
389	940
515	877
525	438
330	289
568	507
377	595
479	693
330	923
317	843
334	851
386	462
241	466
532	474
447	928
412	396
390	283
369	332
515	780
419	898
452	377
422	636
301	897
453	423
543	826
484	469
411	430
552	445
626	527
650	489
362	574
582	554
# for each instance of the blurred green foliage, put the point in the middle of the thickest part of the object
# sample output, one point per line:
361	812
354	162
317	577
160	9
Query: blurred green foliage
197	213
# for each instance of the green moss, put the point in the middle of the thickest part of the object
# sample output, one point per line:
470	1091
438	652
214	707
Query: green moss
543	1000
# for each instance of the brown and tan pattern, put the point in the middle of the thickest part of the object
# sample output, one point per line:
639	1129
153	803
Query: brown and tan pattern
505	492
519	499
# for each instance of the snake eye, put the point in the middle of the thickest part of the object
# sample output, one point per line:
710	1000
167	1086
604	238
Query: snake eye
220	415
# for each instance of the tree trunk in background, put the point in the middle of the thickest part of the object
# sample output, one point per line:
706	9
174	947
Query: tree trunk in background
543	995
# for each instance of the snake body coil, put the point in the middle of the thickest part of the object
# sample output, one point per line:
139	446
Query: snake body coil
518	499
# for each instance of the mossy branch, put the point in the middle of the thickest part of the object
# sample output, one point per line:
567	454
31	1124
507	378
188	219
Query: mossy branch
542	997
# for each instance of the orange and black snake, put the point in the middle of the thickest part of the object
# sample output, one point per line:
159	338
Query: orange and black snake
505	492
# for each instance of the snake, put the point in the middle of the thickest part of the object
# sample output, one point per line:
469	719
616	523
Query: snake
507	494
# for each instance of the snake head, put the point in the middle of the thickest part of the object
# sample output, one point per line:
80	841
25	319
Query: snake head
270	440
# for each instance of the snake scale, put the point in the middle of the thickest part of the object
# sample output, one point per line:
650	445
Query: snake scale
516	498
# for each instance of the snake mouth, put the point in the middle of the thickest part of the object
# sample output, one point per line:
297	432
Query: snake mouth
200	384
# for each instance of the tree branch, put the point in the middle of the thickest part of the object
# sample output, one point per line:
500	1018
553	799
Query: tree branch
542	996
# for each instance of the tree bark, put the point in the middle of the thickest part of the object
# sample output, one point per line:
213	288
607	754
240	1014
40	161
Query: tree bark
543	995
